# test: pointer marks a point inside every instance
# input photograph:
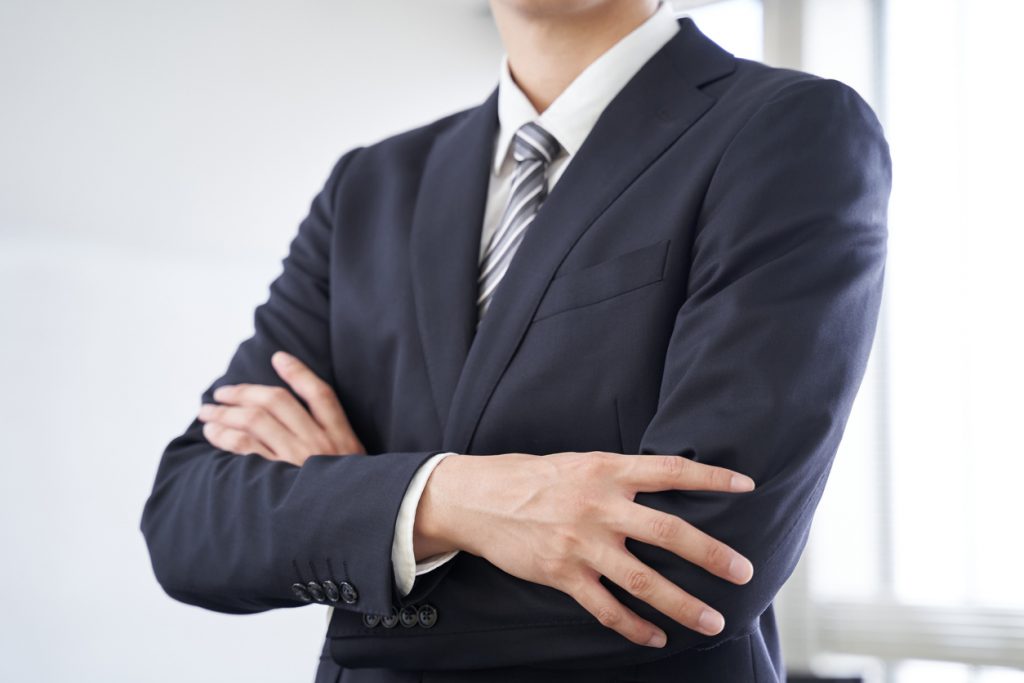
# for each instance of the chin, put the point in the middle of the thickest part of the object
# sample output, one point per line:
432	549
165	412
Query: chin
556	7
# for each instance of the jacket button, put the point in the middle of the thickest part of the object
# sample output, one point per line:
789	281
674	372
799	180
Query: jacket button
315	590
408	616
390	620
301	593
427	616
348	592
331	590
371	620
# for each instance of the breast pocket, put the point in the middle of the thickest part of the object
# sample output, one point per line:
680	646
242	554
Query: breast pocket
605	280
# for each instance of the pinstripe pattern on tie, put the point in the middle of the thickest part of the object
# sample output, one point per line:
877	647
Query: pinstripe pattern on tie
533	148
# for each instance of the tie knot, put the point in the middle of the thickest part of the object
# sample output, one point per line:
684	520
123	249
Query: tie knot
532	142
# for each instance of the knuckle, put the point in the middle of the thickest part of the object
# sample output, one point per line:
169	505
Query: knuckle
235	394
687	612
599	463
717	556
556	570
638	582
590	465
608	616
720	478
224	390
672	465
580	467
665	527
321	391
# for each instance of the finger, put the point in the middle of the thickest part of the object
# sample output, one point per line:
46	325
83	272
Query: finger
685	540
284	407
319	395
235	441
648	585
597	600
664	472
257	423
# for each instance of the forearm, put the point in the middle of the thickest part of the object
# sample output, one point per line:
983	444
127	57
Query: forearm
235	533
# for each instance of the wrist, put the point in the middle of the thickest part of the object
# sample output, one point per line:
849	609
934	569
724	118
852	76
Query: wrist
433	531
468	498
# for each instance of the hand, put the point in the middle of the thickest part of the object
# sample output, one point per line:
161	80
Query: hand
270	421
561	520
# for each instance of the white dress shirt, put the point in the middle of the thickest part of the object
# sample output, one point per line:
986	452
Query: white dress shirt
569	118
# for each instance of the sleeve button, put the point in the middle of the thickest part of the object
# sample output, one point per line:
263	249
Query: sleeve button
371	620
315	591
390	620
331	590
301	593
408	616
348	593
427	616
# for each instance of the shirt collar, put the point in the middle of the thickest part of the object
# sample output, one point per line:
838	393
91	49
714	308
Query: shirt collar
571	116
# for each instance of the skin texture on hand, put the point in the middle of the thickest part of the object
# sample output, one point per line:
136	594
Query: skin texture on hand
561	520
270	421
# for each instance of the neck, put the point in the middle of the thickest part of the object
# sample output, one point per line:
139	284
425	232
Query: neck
548	48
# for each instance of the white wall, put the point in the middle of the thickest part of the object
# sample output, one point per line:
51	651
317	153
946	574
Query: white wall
155	160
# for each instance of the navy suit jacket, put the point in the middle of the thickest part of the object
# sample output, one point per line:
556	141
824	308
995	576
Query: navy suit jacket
703	280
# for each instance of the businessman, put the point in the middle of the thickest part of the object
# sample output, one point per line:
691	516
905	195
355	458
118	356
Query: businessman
642	277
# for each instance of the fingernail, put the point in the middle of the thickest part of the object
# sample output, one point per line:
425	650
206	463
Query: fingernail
711	622
222	391
283	357
741	483
657	640
741	569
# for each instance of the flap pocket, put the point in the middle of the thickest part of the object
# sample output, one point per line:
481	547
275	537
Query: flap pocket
604	280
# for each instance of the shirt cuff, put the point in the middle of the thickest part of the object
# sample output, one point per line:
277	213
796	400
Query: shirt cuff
403	557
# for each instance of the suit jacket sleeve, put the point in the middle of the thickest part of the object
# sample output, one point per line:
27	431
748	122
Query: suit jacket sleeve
765	358
235	533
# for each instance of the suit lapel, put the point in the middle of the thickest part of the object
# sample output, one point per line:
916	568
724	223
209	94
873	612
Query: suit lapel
655	107
445	245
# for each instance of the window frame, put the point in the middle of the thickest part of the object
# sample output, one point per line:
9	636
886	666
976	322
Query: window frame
881	627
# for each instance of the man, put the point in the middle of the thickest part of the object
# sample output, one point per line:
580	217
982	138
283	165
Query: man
654	264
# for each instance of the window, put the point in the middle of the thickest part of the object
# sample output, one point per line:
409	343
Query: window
736	25
911	557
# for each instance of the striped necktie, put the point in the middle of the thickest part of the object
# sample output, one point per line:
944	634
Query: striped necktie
533	148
